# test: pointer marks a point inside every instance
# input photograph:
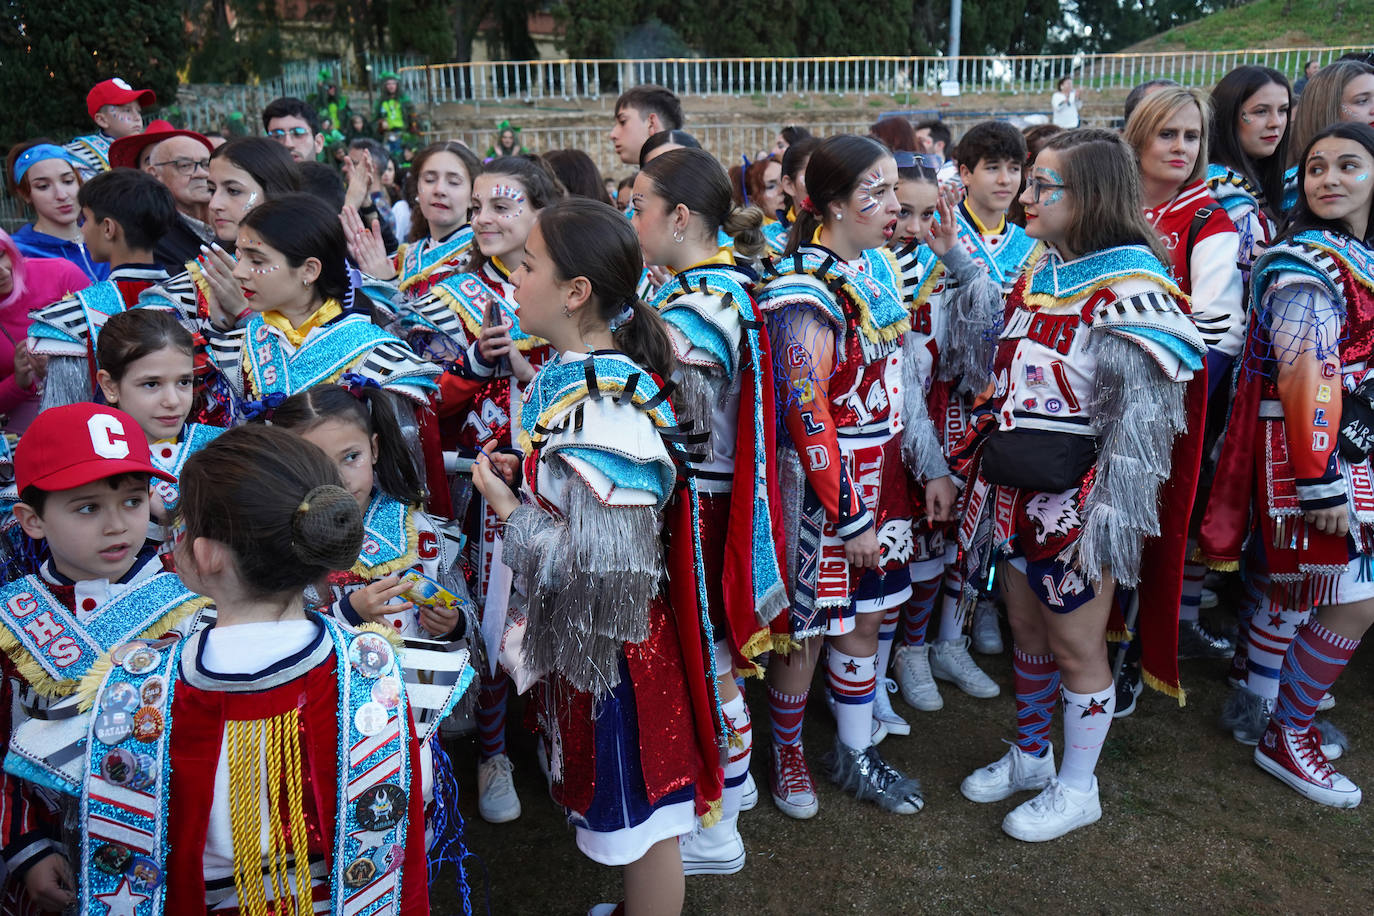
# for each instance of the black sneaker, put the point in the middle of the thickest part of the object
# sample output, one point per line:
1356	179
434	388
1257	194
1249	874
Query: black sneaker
1128	688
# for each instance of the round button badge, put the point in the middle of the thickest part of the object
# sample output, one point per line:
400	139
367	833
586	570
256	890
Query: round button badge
370	719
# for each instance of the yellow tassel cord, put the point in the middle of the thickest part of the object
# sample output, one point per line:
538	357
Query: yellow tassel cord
758	644
268	750
1167	689
1118	636
45	684
937	270
784	644
714	809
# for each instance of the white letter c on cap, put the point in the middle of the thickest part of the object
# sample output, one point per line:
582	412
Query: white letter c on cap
104	428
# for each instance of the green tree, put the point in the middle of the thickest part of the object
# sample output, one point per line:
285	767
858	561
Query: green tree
226	53
595	28
423	27
51	54
1110	25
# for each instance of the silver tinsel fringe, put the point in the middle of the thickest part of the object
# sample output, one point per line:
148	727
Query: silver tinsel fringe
68	382
590	578
921	451
973	313
1138	415
698	391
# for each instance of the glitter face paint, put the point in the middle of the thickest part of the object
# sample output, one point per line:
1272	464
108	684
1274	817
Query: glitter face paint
1058	193
868	201
514	194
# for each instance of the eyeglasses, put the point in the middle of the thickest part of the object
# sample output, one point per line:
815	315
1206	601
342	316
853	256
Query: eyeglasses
1038	188
277	133
186	166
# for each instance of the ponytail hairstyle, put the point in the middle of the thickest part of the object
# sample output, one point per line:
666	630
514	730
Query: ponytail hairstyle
372	410
832	174
129	336
1228	103
302	226
794	166
277	503
1301	218
536	177
693	178
419	226
1103	181
587	238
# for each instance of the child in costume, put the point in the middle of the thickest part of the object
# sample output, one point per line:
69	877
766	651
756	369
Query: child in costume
291	265
470	321
281	746
949	340
82	472
1247	153
724	396
1090	379
124	213
441	240
836	319
1304	422
627	701
147	369
244	173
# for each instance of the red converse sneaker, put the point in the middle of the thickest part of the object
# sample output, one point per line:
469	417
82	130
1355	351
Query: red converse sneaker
793	791
1296	758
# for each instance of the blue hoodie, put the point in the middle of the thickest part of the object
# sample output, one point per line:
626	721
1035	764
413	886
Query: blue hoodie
37	244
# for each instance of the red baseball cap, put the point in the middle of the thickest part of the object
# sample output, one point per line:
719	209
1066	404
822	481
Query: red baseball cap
125	151
69	447
116	92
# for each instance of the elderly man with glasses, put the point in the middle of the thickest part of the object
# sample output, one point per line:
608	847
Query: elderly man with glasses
181	162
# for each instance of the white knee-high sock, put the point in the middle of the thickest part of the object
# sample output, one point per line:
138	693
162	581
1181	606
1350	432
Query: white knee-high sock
1087	716
852	682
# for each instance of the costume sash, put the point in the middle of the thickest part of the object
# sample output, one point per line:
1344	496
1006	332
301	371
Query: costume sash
426	257
194	438
1353	256
320	359
467	297
1056	280
53	649
1008	259
125	835
775	234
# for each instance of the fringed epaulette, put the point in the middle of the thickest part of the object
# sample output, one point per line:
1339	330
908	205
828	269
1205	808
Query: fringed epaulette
420	261
1054	281
874	289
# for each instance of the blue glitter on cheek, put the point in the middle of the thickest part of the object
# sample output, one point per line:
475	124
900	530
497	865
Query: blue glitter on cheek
1058	193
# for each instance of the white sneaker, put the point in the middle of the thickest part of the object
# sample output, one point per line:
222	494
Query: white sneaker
1057	810
750	797
717	850
892	723
1326	702
950	661
987	634
879	729
1017	771
496	798
1297	759
915	680
793	790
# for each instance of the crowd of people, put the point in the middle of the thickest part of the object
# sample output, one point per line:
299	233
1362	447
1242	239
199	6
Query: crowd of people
296	469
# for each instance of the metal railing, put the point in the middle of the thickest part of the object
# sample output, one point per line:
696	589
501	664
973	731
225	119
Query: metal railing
527	81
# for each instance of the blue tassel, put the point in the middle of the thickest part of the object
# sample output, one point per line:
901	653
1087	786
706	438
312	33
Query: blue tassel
447	822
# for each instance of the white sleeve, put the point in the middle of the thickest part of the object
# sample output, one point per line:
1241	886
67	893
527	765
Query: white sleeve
1218	292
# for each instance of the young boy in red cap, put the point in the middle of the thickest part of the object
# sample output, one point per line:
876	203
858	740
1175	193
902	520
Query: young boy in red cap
117	109
83	473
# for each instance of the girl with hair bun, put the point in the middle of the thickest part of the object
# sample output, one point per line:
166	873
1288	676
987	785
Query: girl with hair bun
837	318
616	620
724	391
262	795
470	322
1076	484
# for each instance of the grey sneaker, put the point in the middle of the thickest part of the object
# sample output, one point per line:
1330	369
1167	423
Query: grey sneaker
950	661
915	680
1194	641
987	633
1246	714
865	775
